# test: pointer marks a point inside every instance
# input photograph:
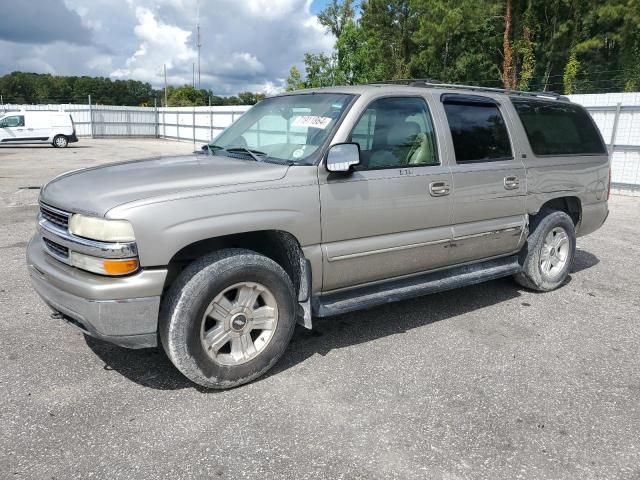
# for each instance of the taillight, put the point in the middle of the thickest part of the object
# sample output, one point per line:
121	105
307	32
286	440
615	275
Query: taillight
609	186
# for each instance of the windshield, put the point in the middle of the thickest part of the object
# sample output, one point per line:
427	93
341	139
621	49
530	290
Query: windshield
290	128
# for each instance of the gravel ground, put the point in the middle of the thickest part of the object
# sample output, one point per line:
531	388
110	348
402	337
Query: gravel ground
489	381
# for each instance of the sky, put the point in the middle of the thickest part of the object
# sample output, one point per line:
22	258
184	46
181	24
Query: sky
247	45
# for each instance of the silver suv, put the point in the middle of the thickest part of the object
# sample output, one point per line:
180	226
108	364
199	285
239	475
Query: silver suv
317	203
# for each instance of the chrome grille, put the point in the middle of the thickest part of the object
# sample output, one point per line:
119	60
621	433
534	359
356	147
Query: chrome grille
55	216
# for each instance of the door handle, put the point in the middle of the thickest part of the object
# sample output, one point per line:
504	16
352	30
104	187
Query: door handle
511	183
439	189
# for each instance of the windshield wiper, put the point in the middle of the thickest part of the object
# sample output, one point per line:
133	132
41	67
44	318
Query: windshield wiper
253	153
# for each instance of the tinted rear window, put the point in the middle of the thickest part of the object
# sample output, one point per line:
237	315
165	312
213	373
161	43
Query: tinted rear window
478	132
559	128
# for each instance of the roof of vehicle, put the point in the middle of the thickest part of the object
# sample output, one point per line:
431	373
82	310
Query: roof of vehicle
418	85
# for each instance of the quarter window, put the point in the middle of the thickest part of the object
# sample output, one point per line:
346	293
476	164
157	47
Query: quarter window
558	128
478	131
395	132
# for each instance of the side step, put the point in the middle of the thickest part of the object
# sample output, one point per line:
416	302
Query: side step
403	289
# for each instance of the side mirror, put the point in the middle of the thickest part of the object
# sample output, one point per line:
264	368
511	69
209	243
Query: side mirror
204	150
342	156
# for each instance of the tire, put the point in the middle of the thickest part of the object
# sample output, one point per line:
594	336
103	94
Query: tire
547	256
205	305
60	141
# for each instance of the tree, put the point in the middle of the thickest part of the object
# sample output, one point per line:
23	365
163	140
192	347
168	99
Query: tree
250	98
294	80
508	66
458	41
389	27
336	16
322	70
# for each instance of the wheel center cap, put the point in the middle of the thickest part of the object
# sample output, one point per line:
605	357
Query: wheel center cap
239	322
553	252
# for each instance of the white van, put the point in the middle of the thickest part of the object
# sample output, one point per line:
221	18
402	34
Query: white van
56	128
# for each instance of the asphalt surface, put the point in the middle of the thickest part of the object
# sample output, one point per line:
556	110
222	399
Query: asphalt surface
489	381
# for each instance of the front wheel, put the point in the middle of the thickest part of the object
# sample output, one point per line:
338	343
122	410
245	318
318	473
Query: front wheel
60	141
548	254
228	318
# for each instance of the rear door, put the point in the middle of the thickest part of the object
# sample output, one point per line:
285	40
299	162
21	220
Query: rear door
489	181
391	216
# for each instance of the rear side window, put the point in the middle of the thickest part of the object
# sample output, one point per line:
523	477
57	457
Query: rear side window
478	130
557	128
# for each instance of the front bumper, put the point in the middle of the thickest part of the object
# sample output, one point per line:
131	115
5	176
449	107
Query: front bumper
121	310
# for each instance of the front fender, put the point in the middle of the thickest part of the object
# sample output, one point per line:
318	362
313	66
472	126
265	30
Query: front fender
164	228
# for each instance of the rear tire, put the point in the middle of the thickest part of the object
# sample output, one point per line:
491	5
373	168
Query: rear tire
547	256
60	141
228	318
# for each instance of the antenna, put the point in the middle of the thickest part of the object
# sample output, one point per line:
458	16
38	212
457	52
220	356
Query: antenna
198	42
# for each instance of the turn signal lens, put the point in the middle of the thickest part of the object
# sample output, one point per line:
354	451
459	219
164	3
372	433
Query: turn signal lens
104	266
120	267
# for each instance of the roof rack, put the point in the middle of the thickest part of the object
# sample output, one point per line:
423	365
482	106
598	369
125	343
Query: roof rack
431	83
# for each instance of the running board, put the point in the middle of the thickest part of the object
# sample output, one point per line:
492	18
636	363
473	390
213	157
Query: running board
403	289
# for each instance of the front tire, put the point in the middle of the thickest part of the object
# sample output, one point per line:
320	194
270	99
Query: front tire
228	318
60	141
548	254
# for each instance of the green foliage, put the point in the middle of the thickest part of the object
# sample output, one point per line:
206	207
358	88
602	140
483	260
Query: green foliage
570	74
294	81
27	88
336	16
357	61
559	45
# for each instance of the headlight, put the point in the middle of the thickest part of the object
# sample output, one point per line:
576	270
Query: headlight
101	229
104	266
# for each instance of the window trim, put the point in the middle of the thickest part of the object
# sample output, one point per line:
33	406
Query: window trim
466	99
433	124
492	103
563	155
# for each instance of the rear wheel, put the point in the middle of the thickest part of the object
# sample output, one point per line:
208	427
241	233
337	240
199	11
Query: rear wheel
228	318
548	255
60	141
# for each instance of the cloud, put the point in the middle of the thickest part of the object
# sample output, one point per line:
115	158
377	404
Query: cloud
39	22
160	44
246	44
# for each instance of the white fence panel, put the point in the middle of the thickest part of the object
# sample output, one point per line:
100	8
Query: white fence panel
176	123
618	118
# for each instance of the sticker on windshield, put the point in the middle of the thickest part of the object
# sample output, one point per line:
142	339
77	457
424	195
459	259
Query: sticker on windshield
298	153
312	121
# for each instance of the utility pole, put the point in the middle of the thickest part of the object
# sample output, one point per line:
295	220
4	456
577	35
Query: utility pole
165	85
193	78
198	42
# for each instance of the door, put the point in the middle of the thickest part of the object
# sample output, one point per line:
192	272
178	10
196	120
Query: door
489	181
12	129
391	216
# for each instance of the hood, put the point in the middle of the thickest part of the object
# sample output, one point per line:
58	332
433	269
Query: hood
97	190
